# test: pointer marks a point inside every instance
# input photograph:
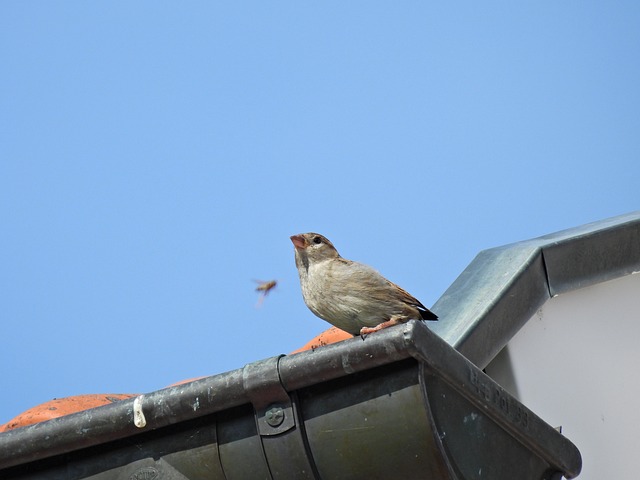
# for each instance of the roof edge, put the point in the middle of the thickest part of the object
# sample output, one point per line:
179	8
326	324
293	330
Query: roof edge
502	287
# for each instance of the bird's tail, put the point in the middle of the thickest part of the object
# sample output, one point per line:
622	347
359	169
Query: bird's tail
427	314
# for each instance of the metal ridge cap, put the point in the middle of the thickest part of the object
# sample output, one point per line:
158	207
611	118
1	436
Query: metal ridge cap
618	221
498	281
498	287
593	253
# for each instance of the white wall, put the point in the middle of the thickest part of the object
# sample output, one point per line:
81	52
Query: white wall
576	364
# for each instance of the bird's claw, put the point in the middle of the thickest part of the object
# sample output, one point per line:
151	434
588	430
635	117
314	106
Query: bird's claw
364	331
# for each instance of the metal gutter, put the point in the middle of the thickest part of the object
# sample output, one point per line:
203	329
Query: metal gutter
289	417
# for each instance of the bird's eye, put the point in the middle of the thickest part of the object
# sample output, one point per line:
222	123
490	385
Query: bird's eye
317	240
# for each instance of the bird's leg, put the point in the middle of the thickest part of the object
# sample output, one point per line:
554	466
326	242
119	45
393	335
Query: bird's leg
389	323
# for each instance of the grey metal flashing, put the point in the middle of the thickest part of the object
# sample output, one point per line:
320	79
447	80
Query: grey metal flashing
503	287
593	253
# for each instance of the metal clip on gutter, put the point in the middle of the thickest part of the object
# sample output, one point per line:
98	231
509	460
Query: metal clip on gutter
276	423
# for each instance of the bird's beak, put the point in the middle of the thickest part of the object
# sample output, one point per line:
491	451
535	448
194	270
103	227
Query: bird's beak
299	241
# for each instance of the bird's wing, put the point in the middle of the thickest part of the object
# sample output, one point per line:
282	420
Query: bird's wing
406	297
368	282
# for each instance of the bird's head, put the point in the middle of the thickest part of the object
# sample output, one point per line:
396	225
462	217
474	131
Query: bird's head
313	247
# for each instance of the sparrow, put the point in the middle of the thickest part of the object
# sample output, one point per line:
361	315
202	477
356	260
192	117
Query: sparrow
350	295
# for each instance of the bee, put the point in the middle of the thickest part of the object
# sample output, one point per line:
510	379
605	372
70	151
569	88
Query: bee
264	288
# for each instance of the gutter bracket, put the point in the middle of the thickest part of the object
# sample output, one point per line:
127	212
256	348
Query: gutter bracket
272	405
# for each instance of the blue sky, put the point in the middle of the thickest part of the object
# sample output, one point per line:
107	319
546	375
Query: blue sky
156	157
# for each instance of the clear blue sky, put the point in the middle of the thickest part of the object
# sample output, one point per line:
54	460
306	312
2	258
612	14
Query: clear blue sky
156	157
